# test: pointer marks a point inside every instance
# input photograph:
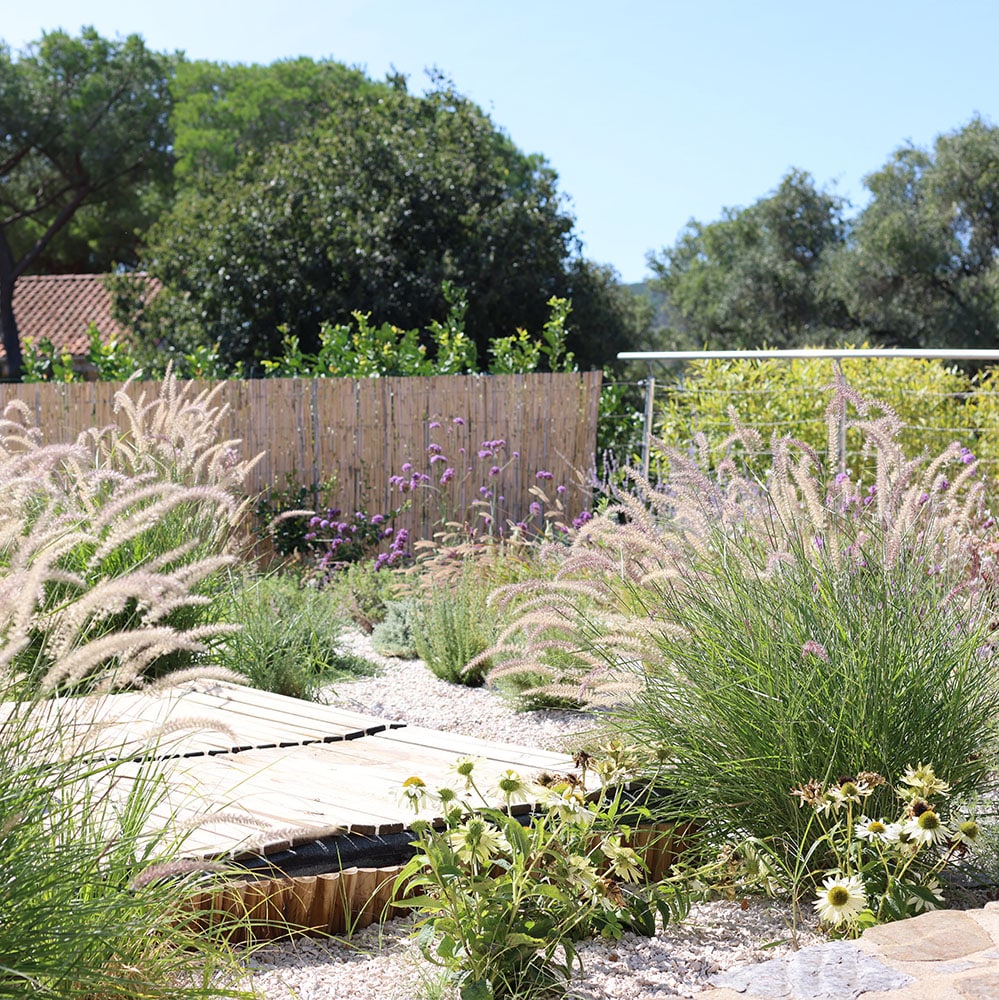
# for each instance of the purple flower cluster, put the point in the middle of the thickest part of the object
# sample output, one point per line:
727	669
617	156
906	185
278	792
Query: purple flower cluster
411	481
451	461
352	538
398	550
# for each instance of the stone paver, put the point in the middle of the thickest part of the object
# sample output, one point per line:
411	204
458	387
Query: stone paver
941	955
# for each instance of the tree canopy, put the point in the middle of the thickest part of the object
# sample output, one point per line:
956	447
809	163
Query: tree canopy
757	276
374	206
921	269
916	267
223	112
83	129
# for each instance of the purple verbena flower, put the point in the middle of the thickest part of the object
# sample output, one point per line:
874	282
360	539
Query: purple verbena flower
543	474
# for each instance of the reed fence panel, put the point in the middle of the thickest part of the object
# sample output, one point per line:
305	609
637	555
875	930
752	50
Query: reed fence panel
361	432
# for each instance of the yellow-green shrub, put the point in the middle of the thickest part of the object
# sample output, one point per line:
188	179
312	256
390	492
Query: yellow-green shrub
791	397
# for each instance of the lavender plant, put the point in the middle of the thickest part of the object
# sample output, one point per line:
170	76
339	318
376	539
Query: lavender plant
452	626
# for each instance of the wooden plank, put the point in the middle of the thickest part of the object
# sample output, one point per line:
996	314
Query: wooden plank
338	720
243	717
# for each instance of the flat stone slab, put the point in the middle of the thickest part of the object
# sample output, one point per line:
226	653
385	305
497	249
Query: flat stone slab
837	970
937	936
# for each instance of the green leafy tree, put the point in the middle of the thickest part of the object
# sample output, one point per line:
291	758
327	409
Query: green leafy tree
222	112
921	269
84	137
372	208
757	276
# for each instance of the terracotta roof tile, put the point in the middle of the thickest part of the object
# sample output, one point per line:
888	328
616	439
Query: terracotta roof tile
62	307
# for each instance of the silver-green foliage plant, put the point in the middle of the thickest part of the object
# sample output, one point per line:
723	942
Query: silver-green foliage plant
393	636
502	902
452	626
758	632
109	545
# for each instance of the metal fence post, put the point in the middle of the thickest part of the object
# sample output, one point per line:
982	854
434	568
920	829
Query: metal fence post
650	395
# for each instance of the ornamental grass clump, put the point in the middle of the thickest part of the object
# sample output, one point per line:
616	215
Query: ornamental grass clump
94	902
290	636
758	632
110	546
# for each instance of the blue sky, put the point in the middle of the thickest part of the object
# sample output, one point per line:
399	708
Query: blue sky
652	113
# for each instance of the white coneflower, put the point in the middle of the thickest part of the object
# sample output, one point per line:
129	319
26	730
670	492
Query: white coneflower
840	899
566	802
464	767
581	874
623	862
847	791
930	896
477	840
966	833
876	829
926	828
451	806
512	788
415	793
922	783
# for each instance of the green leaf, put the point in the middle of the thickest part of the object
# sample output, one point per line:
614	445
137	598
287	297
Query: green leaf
478	989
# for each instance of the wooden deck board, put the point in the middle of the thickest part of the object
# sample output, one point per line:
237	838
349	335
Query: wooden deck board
132	723
336	772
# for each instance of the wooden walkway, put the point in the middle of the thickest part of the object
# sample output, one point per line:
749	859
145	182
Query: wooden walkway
246	772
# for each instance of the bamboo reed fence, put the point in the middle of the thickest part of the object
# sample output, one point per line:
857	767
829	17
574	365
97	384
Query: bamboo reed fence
361	432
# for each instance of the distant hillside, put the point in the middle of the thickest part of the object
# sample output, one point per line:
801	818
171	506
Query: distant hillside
666	330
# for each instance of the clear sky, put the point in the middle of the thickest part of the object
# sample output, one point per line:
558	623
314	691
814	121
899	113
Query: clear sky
652	113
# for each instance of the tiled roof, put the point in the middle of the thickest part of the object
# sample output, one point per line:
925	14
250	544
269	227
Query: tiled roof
62	307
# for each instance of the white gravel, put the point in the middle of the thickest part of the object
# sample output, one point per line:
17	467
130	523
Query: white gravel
384	963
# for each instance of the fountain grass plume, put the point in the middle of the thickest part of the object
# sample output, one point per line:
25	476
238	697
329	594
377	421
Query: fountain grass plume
110	547
699	595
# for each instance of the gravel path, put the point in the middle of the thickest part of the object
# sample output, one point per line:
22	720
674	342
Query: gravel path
383	963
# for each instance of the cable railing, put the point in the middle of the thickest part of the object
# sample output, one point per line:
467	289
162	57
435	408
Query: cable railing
941	414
